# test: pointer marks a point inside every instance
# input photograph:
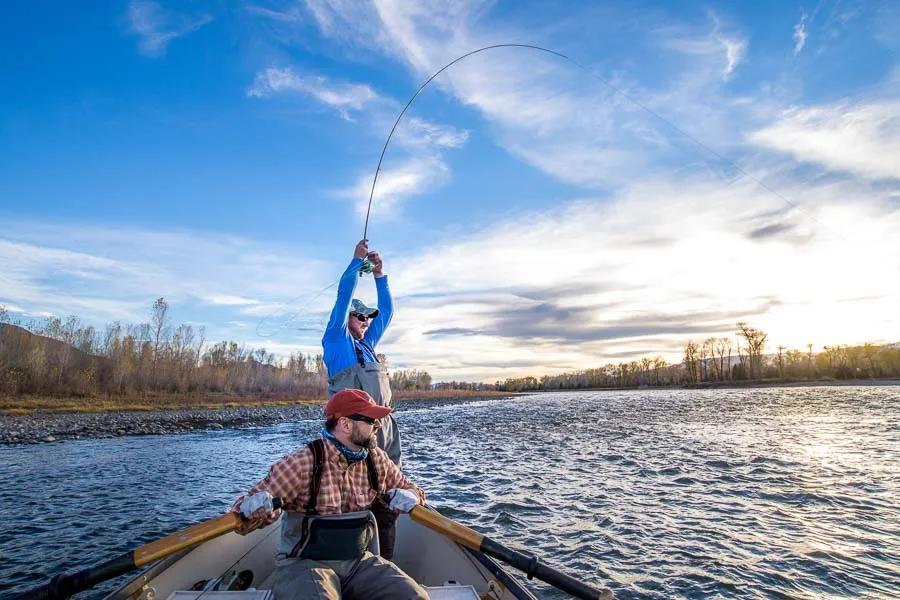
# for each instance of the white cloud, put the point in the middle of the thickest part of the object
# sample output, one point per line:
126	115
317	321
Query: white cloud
800	34
734	52
587	283
106	274
544	110
292	15
664	260
156	27
861	138
424	133
396	184
228	300
12	308
724	50
342	96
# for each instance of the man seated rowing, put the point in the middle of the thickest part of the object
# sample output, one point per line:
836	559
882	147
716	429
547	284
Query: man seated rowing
327	488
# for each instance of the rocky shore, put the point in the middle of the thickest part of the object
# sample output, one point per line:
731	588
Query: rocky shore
54	427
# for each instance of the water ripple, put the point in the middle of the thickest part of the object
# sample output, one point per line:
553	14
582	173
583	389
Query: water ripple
773	493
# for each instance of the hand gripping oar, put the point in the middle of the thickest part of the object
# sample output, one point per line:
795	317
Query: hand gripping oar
529	564
63	585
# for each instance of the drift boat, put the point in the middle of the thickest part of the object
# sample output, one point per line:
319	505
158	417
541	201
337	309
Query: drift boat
210	561
448	570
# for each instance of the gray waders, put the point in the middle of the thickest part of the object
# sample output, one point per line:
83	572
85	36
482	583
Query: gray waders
331	556
373	379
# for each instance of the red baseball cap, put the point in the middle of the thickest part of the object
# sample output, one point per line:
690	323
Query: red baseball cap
354	402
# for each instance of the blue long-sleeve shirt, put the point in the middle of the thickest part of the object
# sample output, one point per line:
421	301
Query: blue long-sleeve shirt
337	343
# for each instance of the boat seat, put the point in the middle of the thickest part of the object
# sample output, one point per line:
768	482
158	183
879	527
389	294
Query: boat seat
452	592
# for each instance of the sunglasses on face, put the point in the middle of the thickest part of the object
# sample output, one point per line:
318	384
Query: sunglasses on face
363	419
359	317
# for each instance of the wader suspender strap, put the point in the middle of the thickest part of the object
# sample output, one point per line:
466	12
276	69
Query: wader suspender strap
359	354
317	447
315	482
373	473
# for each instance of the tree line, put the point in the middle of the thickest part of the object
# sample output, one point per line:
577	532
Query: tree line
55	357
58	357
723	359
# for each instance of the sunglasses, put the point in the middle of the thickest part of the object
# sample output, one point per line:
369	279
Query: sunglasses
363	419
360	317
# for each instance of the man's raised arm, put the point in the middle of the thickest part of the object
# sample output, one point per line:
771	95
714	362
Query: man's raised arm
385	302
337	323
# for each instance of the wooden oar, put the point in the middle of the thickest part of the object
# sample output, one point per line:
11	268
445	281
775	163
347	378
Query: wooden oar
63	585
529	564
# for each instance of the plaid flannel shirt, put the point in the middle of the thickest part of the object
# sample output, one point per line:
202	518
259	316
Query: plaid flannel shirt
345	487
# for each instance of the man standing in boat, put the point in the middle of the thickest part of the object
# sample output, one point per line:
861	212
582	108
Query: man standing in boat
353	331
326	488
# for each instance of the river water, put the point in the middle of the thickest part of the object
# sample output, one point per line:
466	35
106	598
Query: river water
761	493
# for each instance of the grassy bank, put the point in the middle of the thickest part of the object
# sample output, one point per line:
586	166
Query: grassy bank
26	405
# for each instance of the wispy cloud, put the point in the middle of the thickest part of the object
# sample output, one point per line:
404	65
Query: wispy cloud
106	274
800	34
417	132
228	300
397	184
545	111
861	138
156	27
592	305
725	49
290	15
342	96
424	141
734	52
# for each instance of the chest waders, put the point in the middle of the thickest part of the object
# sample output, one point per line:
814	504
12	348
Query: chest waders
338	537
346	536
372	378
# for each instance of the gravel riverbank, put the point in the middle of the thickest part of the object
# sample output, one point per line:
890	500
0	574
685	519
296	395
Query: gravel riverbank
54	427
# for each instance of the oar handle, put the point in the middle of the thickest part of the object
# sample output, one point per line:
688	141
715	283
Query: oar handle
63	585
530	565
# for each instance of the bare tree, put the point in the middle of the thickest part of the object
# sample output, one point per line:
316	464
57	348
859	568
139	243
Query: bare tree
809	361
781	350
756	343
691	362
723	350
159	324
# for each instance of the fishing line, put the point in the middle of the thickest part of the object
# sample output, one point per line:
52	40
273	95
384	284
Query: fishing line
286	321
743	173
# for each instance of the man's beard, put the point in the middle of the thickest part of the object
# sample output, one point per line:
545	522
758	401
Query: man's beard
363	441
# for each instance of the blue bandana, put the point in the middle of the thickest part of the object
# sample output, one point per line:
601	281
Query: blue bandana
352	456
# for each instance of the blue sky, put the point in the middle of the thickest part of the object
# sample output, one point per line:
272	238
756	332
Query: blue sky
712	162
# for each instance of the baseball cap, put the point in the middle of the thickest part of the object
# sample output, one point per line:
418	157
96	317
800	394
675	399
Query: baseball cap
357	306
354	402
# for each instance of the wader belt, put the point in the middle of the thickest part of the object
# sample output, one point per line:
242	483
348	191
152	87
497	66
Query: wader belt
336	537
